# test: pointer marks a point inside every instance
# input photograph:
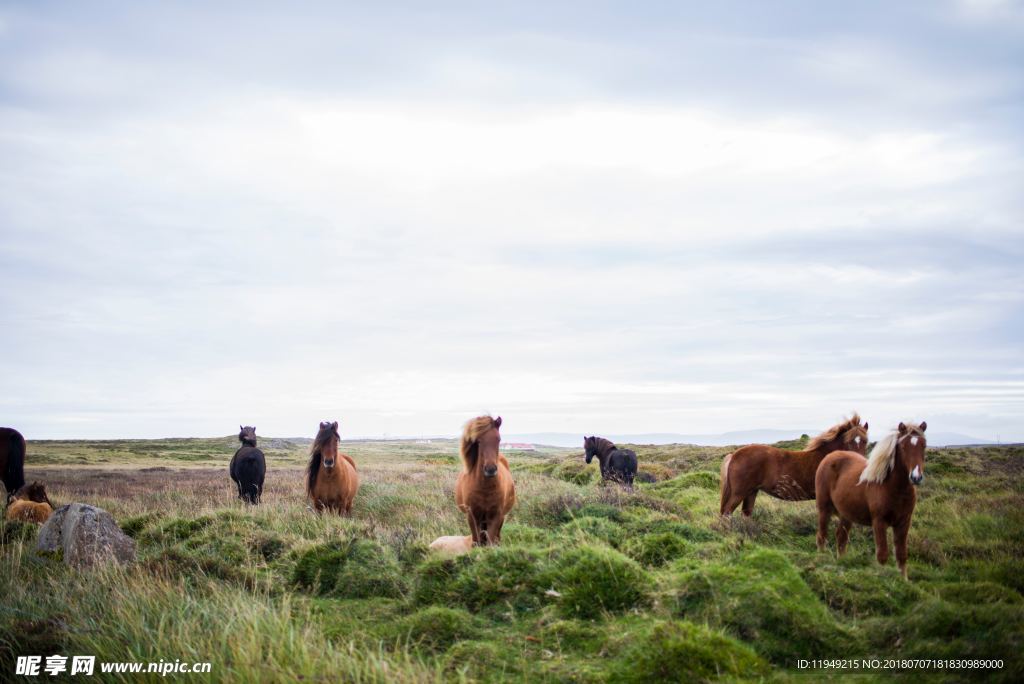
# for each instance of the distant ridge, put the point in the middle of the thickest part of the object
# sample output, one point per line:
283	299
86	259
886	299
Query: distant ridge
568	439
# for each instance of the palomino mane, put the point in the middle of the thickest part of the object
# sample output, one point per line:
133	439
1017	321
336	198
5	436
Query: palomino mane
315	457
474	430
833	432
883	456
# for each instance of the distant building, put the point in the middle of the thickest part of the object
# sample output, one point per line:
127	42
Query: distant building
518	446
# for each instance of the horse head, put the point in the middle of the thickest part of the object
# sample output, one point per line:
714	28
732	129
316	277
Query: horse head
910	448
589	448
855	438
247	435
482	441
326	443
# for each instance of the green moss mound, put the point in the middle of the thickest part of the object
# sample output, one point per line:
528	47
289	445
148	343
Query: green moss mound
656	549
12	531
436	580
681	651
435	628
589	528
759	596
502	577
860	592
935	628
357	568
475	660
593	579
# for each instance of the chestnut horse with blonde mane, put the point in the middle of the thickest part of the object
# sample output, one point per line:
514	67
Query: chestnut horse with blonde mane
880	491
484	490
784	474
331	478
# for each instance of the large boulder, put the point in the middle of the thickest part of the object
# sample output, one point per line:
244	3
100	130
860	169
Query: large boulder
86	535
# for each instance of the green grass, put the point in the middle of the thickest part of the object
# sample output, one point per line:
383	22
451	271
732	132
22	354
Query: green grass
591	584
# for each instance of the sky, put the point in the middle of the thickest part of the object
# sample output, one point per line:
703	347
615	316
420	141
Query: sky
581	216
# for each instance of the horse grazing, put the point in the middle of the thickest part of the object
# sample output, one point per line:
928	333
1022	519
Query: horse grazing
12	458
484	490
617	465
29	503
248	467
783	474
880	491
331	478
452	545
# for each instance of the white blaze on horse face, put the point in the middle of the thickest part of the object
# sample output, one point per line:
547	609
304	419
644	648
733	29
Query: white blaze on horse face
914	440
857	440
916	474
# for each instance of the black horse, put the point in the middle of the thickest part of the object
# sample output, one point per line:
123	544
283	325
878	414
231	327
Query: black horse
12	459
248	467
617	465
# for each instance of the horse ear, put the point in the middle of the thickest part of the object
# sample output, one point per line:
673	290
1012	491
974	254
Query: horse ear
902	428
497	422
334	425
865	426
240	428
924	425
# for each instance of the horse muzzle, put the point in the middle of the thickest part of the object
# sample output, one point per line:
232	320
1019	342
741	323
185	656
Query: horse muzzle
917	475
490	471
328	464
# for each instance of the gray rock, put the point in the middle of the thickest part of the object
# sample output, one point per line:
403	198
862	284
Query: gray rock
86	535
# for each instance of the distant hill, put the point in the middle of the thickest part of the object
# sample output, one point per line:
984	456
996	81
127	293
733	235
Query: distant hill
567	439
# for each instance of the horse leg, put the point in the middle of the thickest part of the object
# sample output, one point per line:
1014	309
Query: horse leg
494	529
881	543
843	535
899	540
748	504
474	531
824	515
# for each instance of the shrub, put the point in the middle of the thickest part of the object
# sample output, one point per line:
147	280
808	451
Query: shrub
593	579
858	592
760	597
685	652
358	568
655	548
435	628
501	576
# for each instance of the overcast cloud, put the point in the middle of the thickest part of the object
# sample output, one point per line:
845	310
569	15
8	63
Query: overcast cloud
592	217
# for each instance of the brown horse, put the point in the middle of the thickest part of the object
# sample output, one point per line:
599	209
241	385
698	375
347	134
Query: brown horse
12	458
784	474
29	503
880	491
484	490
331	478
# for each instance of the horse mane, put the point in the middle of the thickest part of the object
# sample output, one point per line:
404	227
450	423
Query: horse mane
316	455
833	432
473	431
883	456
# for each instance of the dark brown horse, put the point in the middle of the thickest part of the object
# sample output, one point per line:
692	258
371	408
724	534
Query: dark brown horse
784	474
248	467
617	465
331	478
12	459
880	491
485	490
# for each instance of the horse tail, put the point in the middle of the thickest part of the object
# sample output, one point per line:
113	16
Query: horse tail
14	473
724	483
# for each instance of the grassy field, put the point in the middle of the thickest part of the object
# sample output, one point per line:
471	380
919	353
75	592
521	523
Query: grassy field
591	584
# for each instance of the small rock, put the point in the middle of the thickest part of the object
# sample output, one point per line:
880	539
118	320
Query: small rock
86	535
